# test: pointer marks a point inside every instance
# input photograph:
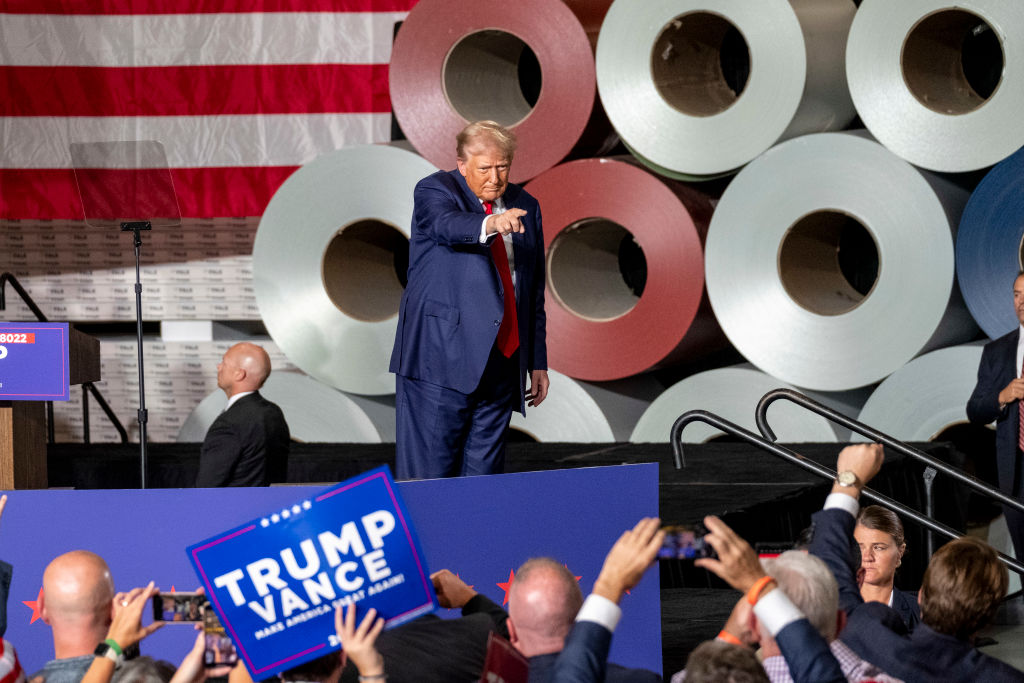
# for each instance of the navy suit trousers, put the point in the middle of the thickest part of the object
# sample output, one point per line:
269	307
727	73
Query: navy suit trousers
442	432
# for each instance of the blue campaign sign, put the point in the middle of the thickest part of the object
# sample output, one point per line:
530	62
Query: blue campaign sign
275	582
34	362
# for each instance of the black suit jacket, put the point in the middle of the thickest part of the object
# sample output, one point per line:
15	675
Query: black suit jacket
924	655
435	650
247	445
997	367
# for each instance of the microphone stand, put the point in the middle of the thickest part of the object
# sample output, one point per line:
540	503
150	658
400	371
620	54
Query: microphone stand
136	227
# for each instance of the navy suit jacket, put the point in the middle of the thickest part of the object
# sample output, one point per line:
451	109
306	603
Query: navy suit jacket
584	659
542	670
997	367
453	304
873	630
905	604
247	445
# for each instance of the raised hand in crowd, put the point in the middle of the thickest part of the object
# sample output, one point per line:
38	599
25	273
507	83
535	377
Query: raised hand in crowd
805	650
452	592
358	642
125	630
193	669
629	558
864	461
738	624
737	563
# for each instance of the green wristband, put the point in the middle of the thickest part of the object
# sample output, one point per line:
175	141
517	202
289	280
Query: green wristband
114	646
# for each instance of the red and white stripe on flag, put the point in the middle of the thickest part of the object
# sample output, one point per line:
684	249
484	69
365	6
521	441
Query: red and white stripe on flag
240	92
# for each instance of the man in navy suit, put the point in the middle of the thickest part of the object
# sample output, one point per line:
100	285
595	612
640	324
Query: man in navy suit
997	396
248	443
471	324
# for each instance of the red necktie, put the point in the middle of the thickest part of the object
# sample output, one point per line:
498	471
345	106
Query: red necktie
508	334
1020	421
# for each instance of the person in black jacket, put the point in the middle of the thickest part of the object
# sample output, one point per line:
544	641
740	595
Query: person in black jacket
247	445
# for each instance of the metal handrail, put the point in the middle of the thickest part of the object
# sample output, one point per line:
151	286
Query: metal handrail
721	423
9	277
761	417
90	388
86	386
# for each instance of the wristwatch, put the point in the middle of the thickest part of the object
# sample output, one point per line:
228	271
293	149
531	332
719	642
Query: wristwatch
846	478
109	649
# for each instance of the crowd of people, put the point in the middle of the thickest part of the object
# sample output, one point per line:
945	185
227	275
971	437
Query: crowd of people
824	612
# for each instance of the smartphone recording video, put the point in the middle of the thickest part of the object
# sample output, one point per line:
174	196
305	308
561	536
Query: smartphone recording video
178	608
684	542
220	651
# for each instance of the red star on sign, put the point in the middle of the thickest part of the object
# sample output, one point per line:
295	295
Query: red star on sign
34	604
505	586
570	571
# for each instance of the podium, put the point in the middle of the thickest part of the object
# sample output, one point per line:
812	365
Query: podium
23	423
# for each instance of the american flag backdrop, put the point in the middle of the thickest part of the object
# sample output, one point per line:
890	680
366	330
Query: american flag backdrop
240	92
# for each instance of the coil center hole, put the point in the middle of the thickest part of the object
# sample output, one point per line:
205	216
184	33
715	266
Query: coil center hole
828	262
700	63
364	269
596	269
492	75
952	61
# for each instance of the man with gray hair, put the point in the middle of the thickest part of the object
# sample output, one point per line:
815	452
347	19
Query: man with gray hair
471	324
810	585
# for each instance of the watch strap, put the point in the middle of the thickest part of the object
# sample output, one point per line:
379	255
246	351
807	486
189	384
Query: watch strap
110	650
847	478
114	646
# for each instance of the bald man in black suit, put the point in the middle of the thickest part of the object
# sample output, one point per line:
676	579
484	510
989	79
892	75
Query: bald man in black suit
247	445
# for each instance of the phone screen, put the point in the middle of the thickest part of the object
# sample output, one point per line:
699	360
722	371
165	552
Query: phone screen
220	651
685	543
178	608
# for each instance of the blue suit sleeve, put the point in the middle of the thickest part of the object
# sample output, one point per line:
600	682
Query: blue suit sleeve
584	659
440	217
983	406
807	654
833	534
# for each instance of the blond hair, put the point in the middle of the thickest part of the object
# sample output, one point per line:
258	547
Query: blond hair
489	131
